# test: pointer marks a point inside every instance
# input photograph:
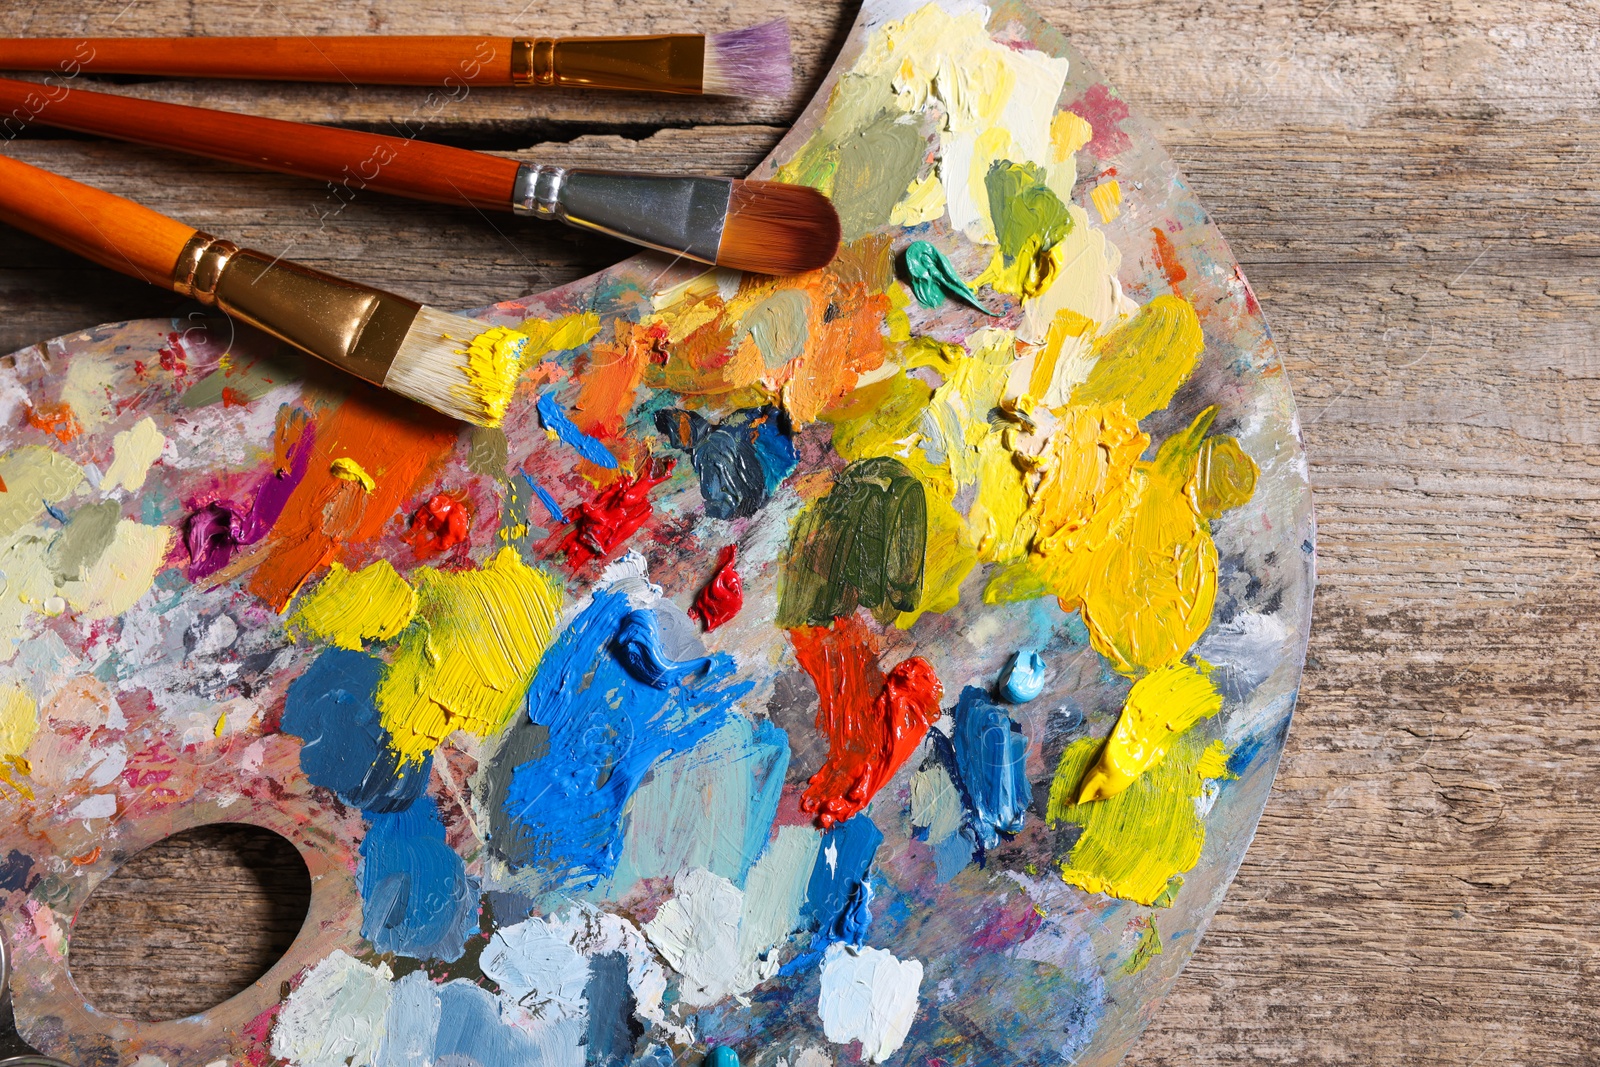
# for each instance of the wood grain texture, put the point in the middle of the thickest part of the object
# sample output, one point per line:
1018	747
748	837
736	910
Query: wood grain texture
1414	190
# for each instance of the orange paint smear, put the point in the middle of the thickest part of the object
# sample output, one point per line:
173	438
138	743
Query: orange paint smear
614	371
57	420
402	447
873	724
1167	257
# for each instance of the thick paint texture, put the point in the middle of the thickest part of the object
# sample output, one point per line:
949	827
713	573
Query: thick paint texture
216	530
868	995
1136	842
558	425
1160	706
1024	676
332	709
720	599
603	524
740	462
843	860
933	279
638	645
348	609
991	754
416	898
466	661
135	450
336	1015
351	471
440	524
494	361
862	545
873	723
605	730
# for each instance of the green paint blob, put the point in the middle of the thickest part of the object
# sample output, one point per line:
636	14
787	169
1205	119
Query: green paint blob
875	168
1026	211
862	545
933	280
1148	948
87	535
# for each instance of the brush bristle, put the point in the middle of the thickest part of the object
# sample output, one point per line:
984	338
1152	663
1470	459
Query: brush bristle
459	366
774	228
750	62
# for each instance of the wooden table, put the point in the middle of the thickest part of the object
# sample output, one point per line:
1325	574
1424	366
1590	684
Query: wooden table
1413	189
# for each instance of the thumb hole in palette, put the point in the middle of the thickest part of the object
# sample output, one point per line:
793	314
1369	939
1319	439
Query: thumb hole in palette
189	922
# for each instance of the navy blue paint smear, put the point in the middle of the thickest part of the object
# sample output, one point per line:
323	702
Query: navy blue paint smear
740	462
638	646
556	421
992	754
416	898
15	871
331	708
606	729
854	843
613	1029
857	918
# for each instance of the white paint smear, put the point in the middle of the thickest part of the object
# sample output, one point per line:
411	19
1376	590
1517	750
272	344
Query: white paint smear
868	996
335	1018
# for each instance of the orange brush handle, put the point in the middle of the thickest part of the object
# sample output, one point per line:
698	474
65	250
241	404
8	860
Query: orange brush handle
354	160
107	229
443	61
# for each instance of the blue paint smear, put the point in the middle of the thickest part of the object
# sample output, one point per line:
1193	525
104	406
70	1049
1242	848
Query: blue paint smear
638	646
545	498
828	896
992	754
331	708
416	898
1023	679
555	420
613	1028
857	918
740	463
959	848
606	729
471	1030
1244	755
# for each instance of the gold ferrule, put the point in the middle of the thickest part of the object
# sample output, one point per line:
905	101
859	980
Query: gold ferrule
354	327
199	266
670	63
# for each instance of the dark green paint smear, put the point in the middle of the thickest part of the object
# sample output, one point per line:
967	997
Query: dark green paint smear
933	280
1023	206
875	167
862	545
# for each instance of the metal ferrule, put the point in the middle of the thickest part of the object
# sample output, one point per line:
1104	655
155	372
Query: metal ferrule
354	327
663	63
680	215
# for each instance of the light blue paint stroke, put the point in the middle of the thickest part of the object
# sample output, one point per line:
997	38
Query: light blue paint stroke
556	421
712	807
416	898
1023	679
991	755
606	730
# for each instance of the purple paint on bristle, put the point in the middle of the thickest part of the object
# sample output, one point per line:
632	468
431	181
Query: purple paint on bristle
750	62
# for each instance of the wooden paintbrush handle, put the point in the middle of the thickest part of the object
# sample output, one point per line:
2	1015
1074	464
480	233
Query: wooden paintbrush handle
448	62
350	161
107	229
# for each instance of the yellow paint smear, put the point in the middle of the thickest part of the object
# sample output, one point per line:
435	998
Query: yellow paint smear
1142	362
134	450
560	334
1107	200
1068	133
494	363
466	661
349	608
1160	706
19	721
1134	843
349	470
923	202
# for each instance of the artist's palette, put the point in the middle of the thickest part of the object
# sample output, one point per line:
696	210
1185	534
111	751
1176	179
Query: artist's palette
753	687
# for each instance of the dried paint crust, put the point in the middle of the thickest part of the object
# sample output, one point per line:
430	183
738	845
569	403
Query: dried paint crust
856	665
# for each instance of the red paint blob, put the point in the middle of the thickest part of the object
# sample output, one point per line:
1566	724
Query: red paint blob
173	357
873	724
439	525
604	523
723	596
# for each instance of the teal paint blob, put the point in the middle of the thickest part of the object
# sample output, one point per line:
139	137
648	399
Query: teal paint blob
933	280
722	1056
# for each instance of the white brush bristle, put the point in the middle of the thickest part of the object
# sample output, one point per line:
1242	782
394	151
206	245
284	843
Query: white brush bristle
431	367
749	62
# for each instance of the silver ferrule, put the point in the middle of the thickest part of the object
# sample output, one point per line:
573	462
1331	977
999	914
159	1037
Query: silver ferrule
680	215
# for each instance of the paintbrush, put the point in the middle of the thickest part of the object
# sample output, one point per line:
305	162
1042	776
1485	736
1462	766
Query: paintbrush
748	62
764	227
453	364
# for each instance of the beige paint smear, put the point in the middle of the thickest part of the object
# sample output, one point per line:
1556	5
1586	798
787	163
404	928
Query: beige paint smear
135	451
